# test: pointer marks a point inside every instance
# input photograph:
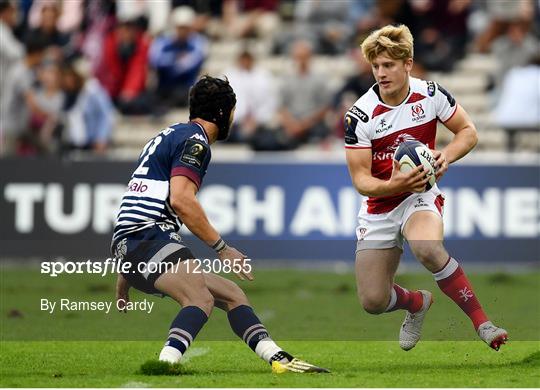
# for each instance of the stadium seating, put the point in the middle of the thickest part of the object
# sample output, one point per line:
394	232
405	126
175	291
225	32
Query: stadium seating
467	83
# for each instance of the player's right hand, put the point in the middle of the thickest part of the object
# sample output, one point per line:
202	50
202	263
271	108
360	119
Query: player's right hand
413	181
240	268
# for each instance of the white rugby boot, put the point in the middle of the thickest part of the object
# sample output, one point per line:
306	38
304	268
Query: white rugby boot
411	329
492	335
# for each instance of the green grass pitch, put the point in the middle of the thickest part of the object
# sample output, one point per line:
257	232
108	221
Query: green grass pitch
312	314
231	364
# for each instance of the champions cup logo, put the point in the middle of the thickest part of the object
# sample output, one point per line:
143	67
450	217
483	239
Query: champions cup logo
348	122
137	187
417	112
196	149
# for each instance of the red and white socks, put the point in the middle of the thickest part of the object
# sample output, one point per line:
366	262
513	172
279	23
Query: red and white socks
453	282
403	299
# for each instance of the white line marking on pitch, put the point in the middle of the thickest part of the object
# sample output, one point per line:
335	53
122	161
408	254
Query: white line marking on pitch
135	384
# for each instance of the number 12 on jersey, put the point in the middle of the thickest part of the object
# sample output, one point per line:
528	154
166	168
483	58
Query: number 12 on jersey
147	151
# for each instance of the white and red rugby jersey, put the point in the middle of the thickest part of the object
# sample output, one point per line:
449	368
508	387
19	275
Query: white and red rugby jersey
372	124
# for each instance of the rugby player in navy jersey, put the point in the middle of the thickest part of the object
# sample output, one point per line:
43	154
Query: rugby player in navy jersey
161	196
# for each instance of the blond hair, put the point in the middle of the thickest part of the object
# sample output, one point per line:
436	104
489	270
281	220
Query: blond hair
396	41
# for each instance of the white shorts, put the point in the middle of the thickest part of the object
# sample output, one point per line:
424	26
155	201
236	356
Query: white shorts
385	230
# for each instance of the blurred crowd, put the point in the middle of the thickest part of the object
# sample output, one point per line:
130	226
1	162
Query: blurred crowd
71	68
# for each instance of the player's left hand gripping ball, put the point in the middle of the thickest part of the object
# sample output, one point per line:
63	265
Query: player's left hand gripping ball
441	164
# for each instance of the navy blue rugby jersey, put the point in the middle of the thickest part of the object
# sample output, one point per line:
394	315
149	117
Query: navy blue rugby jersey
179	150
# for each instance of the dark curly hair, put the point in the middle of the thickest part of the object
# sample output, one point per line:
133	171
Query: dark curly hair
212	99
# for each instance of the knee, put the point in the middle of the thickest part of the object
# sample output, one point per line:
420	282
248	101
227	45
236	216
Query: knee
236	298
374	303
203	300
429	253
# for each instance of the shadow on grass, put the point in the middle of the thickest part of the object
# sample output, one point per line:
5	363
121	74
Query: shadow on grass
531	360
156	367
502	278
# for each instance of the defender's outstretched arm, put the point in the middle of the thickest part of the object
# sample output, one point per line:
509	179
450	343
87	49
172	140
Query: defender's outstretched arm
186	205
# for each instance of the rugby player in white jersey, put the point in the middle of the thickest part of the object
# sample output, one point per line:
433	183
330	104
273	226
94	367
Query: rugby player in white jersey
398	108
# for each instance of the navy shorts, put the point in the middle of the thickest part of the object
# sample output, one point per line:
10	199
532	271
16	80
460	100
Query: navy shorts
150	253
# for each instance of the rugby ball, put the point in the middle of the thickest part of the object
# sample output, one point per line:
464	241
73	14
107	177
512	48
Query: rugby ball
411	154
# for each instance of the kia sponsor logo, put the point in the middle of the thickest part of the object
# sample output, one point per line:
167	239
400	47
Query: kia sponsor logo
381	156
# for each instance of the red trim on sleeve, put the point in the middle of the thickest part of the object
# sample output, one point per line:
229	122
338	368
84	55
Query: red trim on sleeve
357	147
190	174
451	115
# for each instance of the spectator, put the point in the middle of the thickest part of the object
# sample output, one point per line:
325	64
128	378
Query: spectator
440	31
518	108
155	13
89	112
152	14
178	58
439	28
365	18
501	13
99	18
20	100
250	18
513	49
71	14
57	42
209	14
327	22
357	84
123	70
305	100
11	50
353	88
44	122
256	98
